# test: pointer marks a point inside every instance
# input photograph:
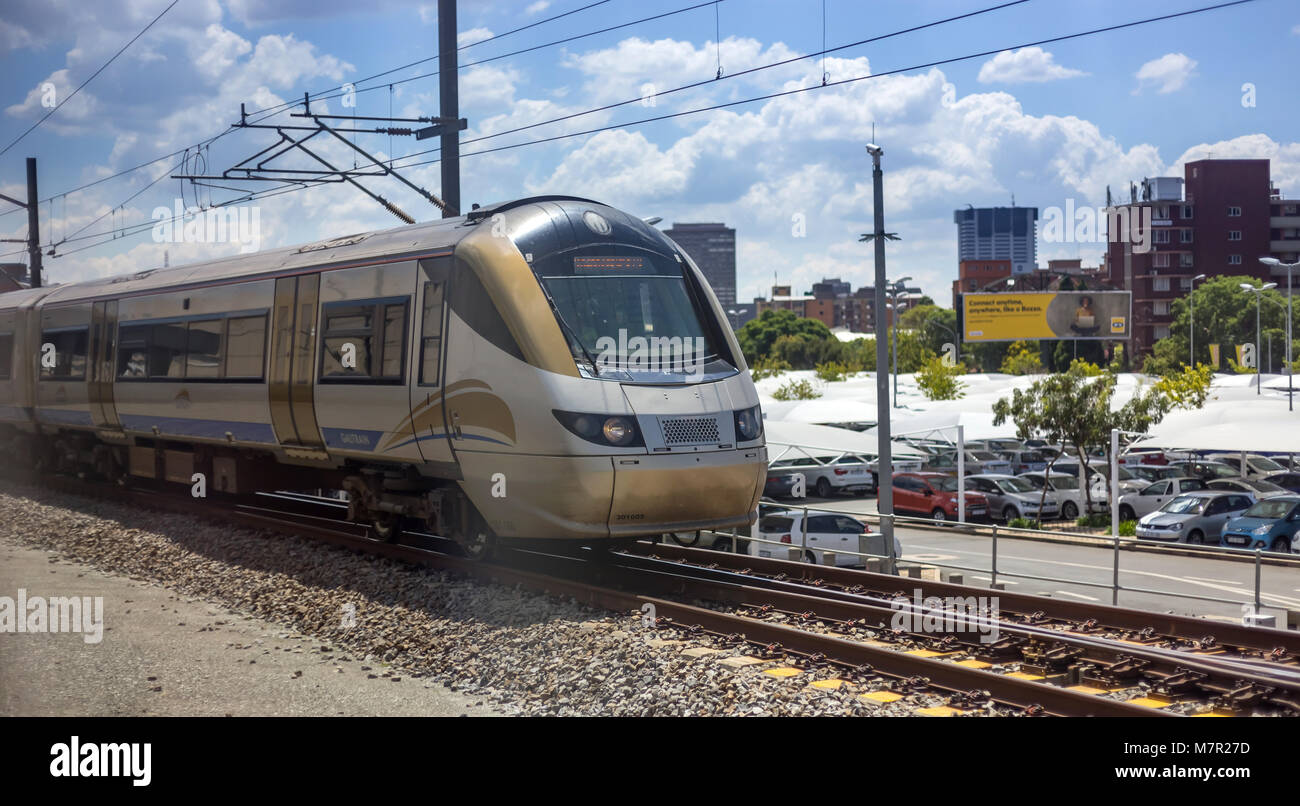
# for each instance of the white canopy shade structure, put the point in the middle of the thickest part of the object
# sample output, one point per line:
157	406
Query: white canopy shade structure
820	440
831	410
943	423
1228	428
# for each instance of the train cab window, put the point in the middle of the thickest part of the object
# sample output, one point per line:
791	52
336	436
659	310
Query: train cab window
6	356
431	333
69	354
364	342
203	349
245	346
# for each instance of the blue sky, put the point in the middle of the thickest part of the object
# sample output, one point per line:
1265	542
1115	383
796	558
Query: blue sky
1047	125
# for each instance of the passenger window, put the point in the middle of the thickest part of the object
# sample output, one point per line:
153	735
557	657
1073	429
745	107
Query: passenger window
69	354
6	355
431	333
167	351
203	349
364	342
245	346
133	351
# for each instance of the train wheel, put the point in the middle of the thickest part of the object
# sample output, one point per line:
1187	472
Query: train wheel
386	526
480	544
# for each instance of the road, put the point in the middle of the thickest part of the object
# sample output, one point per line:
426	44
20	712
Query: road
1072	567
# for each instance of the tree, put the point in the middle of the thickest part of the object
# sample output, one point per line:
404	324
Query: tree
1224	315
1022	359
758	335
934	325
939	381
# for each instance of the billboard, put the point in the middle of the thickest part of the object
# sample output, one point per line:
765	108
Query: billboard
1046	315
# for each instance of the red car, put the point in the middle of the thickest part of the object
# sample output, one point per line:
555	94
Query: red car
935	494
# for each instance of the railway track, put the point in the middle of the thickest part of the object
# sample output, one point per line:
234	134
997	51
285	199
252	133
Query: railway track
1050	657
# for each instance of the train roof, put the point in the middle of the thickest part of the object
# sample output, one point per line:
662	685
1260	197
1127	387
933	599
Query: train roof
412	239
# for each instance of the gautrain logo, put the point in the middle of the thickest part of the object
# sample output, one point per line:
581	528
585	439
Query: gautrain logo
477	412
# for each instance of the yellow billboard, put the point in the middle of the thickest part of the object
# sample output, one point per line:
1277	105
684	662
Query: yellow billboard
1046	315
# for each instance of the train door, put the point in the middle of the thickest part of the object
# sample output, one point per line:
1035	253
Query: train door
428	417
293	362
103	365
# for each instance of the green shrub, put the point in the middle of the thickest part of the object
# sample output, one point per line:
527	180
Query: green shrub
1023	523
797	390
832	371
767	368
939	381
1128	528
1093	521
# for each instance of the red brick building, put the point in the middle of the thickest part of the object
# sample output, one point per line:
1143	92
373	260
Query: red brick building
1220	218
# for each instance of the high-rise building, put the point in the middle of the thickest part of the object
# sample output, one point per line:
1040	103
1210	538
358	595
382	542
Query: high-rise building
713	248
998	233
1218	219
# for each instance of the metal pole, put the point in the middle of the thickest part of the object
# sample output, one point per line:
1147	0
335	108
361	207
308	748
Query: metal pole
1114	510
1290	382
993	565
1191	326
884	490
893	333
803	535
961	474
449	107
1259	373
33	225
1258	604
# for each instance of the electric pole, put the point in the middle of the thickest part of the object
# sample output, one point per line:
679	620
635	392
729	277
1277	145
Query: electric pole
884	460
33	224
449	107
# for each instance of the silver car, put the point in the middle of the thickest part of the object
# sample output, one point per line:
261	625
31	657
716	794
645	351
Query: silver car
1011	497
1155	496
1256	465
1066	489
825	476
1195	518
1255	488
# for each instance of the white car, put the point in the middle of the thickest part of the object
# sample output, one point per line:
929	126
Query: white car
827	531
1065	488
1135	505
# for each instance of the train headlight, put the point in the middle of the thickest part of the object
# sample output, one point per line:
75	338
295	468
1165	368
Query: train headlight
603	429
749	424
619	431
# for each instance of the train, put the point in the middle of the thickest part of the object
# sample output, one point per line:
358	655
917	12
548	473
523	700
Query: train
489	377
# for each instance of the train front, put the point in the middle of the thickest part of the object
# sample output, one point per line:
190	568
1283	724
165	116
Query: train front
631	409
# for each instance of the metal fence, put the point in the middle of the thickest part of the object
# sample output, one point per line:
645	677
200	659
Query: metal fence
887	561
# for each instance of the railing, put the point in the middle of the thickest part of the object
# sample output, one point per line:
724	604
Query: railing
887	561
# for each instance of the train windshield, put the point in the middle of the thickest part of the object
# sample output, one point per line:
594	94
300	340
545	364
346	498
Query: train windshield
631	314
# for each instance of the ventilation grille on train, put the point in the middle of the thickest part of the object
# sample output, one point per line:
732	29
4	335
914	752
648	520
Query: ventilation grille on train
690	430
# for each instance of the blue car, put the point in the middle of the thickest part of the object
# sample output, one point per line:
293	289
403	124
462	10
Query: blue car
1273	524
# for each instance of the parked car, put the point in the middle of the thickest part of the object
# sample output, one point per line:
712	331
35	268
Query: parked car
1206	470
994	445
1144	456
1011	497
1023	461
1255	488
1256	465
827	531
1151	473
1272	524
1134	505
781	484
979	461
1066	489
1099	478
935	494
1289	480
1195	518
827	475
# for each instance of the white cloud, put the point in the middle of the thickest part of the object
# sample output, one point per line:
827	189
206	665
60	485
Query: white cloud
1167	74
472	35
1023	66
218	50
538	7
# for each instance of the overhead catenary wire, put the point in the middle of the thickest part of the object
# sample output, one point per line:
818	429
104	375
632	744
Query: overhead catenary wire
104	66
288	104
842	82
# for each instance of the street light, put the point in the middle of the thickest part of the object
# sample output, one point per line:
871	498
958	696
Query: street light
1191	323
897	289
1259	296
1290	385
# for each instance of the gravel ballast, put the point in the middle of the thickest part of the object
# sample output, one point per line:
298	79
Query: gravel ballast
523	652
